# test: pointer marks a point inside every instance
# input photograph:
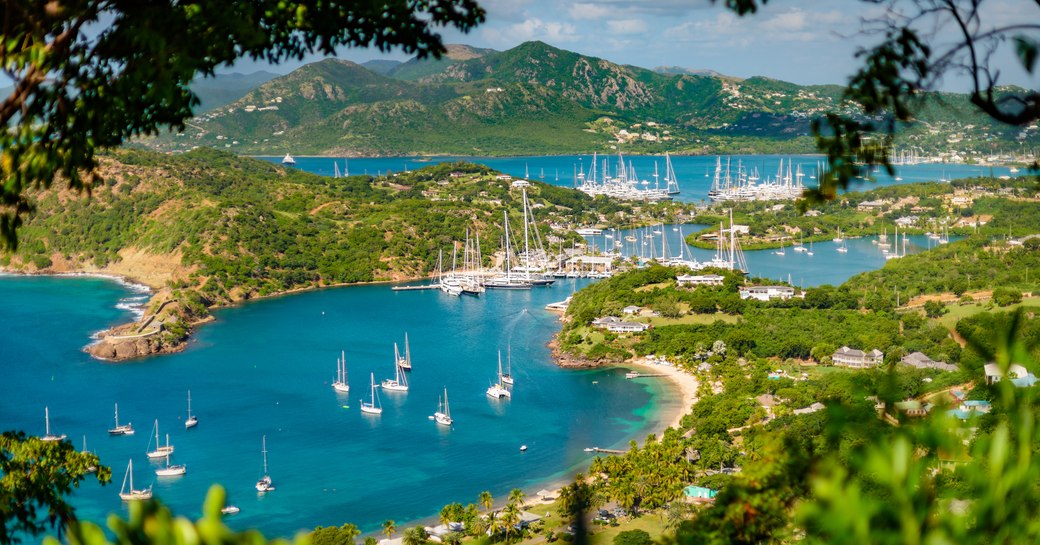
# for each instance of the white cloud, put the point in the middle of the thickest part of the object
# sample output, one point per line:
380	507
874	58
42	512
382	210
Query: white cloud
586	11
627	26
532	28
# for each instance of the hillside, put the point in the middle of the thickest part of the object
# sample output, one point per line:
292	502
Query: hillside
538	99
208	229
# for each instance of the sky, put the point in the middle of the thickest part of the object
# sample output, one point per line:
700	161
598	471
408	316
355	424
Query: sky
801	41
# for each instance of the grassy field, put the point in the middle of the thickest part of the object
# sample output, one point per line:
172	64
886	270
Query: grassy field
956	312
703	319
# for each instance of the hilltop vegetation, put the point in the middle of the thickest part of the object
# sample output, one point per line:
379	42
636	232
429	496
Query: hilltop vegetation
218	228
537	99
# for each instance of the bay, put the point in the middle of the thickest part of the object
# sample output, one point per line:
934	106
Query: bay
265	368
694	172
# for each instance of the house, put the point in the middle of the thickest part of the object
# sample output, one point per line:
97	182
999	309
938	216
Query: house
699	280
913	407
921	361
867	206
815	407
1020	376
765	293
520	183
851	357
906	221
699	494
632	309
617	325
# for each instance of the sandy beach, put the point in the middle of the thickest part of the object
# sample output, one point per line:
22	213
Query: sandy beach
685	382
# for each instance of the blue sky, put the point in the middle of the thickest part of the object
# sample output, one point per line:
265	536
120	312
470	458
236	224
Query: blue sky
803	41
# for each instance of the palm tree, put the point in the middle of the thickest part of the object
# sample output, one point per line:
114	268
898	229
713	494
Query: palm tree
415	536
510	517
485	499
517	496
389	528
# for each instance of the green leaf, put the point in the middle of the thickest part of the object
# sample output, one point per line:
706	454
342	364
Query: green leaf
1026	49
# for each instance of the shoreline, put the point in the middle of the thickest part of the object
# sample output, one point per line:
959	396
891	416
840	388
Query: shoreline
685	385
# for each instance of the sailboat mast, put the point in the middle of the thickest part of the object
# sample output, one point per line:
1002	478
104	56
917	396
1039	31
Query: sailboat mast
527	248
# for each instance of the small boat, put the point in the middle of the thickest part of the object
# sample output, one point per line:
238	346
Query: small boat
523	448
443	414
843	248
839	239
400	381
229	510
160	451
48	436
171	470
126	494
498	390
781	250
121	429
192	420
810	252
288	160
373	406
340	384
406	361
264	483
90	469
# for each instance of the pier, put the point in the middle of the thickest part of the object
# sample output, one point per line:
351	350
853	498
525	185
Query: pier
604	450
411	288
632	374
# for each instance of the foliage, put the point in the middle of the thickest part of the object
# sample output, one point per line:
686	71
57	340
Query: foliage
35	477
80	83
633	537
331	535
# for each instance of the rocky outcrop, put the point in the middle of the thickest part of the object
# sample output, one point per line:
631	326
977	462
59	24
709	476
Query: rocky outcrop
568	360
162	330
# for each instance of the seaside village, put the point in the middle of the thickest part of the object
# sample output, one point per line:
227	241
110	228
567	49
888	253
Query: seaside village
833	336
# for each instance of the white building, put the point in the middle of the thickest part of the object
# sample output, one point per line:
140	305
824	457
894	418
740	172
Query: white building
699	279
851	357
617	325
765	293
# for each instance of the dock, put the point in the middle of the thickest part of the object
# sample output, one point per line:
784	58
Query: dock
411	288
633	374
604	450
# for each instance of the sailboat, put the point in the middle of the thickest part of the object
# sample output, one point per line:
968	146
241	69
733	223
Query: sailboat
443	414
405	362
160	451
839	238
843	248
171	470
781	250
192	420
126	494
672	187
801	246
372	407
90	469
340	384
507	377
400	381
47	422
288	160
264	483
498	390
124	429
810	252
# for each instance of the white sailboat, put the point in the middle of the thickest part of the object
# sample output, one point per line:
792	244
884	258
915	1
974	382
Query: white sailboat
127	494
443	414
48	436
264	483
400	381
192	420
781	250
160	451
843	249
672	186
810	252
372	407
90	469
340	384
121	429
801	245
288	160
405	362
839	239
498	390
171	470
507	377
229	510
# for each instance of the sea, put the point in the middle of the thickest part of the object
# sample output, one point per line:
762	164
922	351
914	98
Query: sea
263	371
694	173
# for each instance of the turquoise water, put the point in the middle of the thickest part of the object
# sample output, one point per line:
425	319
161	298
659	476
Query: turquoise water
264	368
694	173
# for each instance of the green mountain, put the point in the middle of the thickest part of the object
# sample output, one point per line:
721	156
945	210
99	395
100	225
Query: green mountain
535	99
381	67
224	89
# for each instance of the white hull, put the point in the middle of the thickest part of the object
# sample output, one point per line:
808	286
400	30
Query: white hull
442	419
393	386
161	452
191	422
230	510
341	387
172	471
498	392
264	484
369	409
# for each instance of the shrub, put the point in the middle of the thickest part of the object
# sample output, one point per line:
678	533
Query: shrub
633	537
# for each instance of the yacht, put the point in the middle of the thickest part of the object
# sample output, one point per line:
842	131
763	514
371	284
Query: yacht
443	414
126	494
498	389
400	381
171	470
288	160
47	422
373	406
264	483
121	429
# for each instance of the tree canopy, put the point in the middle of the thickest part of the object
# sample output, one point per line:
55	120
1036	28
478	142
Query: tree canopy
90	74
